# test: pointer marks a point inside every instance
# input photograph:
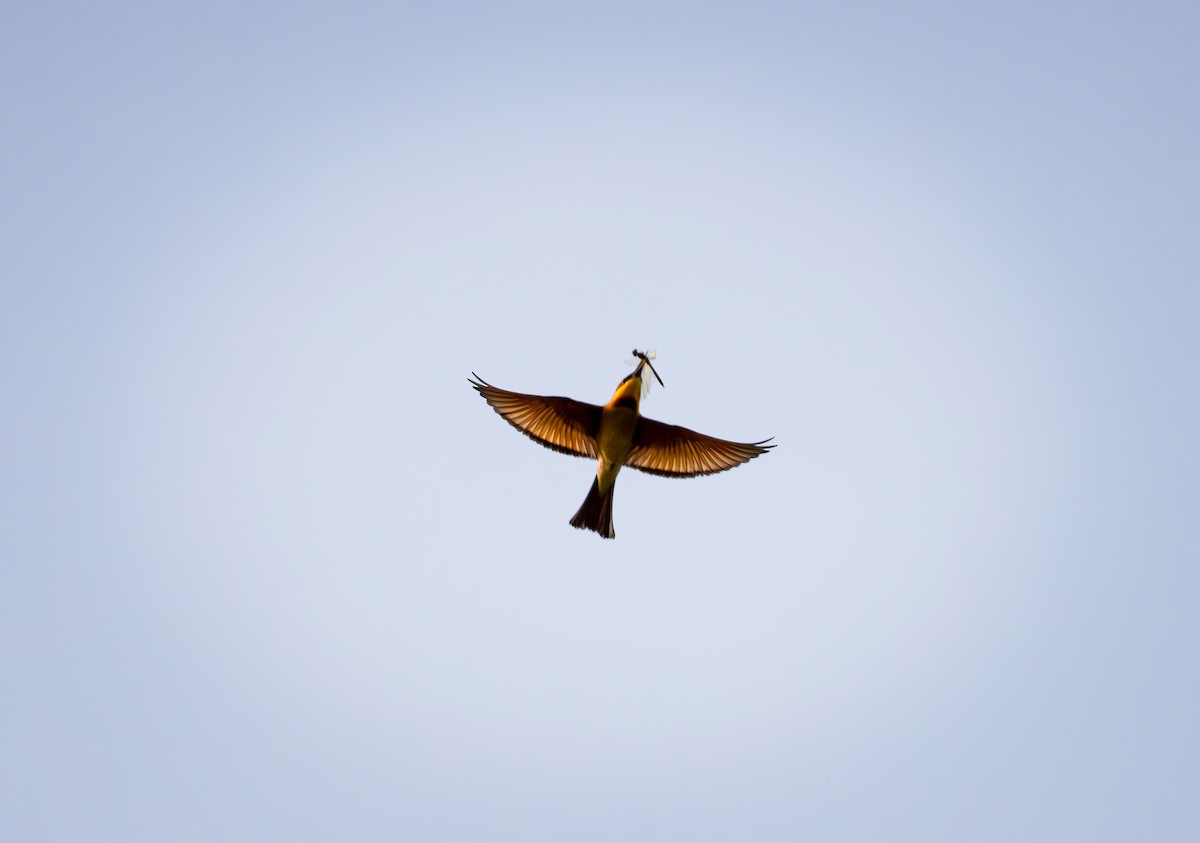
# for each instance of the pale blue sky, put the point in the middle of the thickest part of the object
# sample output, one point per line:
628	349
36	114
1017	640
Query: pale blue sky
272	570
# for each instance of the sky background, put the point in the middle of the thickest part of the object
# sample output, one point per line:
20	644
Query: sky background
271	570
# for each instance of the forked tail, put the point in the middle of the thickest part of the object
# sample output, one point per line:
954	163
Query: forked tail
596	512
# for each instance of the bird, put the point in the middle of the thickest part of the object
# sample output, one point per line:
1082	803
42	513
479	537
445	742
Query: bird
616	435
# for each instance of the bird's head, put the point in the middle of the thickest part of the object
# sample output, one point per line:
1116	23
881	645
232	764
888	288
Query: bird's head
632	387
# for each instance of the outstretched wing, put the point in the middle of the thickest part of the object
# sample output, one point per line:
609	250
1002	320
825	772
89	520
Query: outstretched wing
561	424
673	451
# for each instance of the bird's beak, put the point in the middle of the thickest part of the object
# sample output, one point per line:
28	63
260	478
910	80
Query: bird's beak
646	360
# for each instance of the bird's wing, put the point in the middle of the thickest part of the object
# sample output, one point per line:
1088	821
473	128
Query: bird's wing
561	424
673	451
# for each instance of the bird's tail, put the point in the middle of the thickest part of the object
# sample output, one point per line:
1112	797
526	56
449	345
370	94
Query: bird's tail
596	512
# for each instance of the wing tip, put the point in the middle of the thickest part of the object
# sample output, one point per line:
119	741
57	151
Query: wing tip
478	382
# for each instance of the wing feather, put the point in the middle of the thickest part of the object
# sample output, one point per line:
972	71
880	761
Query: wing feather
672	451
561	424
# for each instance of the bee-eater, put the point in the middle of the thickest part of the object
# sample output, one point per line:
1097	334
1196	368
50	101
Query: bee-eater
615	435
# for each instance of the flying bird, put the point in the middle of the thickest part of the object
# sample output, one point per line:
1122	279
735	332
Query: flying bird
616	435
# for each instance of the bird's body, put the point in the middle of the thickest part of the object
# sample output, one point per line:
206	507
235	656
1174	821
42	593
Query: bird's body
615	435
618	421
614	440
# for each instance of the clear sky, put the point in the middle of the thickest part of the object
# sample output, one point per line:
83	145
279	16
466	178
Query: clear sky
271	570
